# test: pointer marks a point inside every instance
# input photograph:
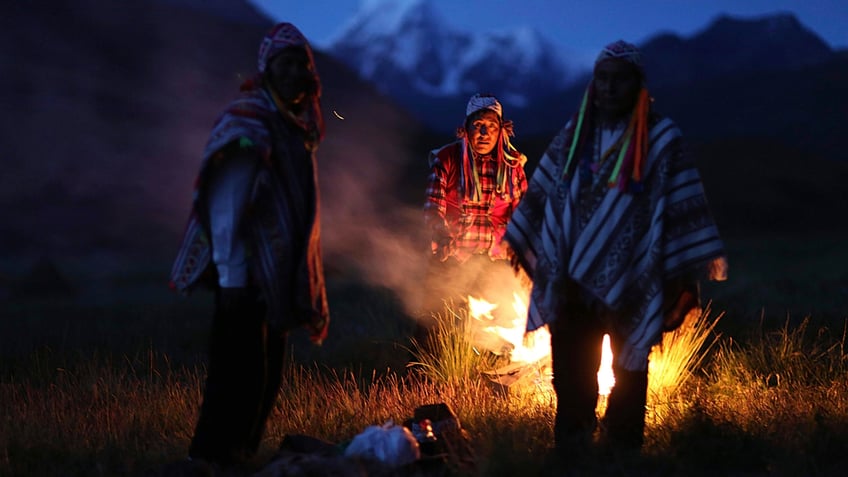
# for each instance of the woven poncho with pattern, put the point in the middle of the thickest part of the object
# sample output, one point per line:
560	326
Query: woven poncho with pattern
618	245
281	224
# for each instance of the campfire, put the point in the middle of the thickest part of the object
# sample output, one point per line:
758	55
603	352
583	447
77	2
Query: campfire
524	348
529	354
481	338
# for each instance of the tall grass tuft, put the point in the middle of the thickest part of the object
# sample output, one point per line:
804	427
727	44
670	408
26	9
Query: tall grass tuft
775	404
675	359
446	355
787	356
105	415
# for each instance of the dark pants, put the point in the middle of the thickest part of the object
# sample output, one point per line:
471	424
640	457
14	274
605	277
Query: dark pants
576	339
242	382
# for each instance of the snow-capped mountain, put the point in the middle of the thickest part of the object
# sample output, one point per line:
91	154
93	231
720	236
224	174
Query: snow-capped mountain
409	50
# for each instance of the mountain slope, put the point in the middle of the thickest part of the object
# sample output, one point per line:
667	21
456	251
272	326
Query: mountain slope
733	46
113	105
409	51
768	77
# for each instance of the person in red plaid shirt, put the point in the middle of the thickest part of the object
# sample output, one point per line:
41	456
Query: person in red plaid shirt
474	185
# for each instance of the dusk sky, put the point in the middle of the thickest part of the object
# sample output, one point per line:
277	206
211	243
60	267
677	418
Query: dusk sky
580	28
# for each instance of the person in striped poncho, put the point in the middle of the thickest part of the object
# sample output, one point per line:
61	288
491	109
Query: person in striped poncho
616	234
253	237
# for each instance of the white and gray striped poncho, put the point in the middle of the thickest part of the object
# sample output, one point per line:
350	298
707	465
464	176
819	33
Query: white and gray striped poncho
620	247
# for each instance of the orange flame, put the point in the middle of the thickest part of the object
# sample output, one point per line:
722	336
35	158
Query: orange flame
606	378
480	308
534	346
526	347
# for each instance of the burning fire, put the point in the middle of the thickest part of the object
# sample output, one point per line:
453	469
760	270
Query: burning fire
670	362
532	347
480	308
606	378
526	347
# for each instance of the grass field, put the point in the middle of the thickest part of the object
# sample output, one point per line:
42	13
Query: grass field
106	380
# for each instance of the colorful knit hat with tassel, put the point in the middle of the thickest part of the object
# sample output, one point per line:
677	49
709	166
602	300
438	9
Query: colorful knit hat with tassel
508	158
631	158
279	37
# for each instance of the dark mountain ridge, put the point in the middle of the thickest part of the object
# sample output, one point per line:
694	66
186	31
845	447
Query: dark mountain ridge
731	46
113	104
803	108
769	78
728	47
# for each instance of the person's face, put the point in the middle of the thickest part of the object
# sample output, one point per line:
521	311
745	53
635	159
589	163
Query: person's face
617	84
292	75
482	130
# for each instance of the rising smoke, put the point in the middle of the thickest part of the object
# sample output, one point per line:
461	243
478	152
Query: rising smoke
372	209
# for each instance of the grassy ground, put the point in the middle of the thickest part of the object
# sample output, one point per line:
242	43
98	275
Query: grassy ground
108	381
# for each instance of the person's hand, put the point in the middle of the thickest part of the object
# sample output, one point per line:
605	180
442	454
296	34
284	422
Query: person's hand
687	304
442	247
441	242
717	269
500	250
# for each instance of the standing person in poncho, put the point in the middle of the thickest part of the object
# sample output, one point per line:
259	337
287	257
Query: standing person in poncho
253	237
616	233
475	183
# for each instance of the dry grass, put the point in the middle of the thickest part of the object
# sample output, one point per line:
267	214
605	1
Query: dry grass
447	354
673	362
773	404
95	416
777	405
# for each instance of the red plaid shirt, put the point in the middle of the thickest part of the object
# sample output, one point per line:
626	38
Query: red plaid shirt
471	226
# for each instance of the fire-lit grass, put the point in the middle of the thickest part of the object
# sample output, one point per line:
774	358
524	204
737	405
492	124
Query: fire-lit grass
772	404
675	359
777	405
103	415
447	354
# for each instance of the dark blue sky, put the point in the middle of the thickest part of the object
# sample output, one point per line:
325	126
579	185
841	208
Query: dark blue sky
580	28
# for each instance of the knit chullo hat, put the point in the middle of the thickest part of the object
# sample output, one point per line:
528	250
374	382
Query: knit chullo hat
508	158
621	50
483	101
280	37
627	173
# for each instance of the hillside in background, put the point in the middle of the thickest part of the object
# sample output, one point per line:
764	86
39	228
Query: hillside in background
803	109
769	77
409	52
112	105
731	46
